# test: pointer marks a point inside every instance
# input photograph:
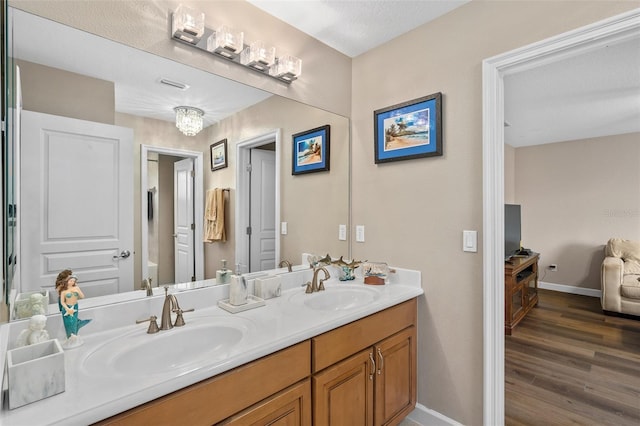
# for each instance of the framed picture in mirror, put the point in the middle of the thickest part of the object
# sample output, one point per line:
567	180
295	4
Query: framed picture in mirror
412	129
218	155
311	151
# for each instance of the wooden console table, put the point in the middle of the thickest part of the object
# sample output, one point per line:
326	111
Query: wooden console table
520	289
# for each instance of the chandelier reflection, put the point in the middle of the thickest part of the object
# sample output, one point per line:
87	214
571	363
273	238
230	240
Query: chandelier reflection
189	120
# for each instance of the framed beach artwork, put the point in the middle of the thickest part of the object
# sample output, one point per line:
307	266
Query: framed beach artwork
409	130
311	151
218	155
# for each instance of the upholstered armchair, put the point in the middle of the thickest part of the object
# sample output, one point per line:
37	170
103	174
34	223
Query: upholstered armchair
621	277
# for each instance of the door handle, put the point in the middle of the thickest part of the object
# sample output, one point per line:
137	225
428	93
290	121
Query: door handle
123	255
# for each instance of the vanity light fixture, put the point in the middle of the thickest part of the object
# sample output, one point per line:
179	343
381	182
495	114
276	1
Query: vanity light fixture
287	68
189	119
226	42
258	55
187	26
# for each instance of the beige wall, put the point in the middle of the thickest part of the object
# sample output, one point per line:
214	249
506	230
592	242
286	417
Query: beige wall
575	196
415	211
313	205
325	80
57	92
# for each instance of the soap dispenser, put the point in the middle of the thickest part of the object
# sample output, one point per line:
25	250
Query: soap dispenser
222	275
238	291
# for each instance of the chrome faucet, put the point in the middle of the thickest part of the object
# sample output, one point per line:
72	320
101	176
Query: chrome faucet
314	286
171	305
146	285
285	262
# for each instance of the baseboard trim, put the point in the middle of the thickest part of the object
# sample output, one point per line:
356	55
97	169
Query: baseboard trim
570	289
428	417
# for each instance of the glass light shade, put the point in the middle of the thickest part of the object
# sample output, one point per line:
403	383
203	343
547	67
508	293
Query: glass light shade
187	24
189	120
258	55
287	68
226	41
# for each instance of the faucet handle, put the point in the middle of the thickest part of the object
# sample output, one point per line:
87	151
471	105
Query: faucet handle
153	324
321	285
309	288
179	319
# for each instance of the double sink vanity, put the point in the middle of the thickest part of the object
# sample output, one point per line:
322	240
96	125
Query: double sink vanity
346	354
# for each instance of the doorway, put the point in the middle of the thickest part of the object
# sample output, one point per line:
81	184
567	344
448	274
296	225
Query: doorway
258	203
618	28
171	181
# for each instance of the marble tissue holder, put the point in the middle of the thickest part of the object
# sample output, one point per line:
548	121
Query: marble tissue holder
35	372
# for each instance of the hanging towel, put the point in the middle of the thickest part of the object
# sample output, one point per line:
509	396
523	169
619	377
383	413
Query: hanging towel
214	216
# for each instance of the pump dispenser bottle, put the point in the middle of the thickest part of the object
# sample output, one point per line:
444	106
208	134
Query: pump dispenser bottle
238	291
222	275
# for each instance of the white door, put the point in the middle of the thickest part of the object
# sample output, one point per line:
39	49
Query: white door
262	241
76	203
183	220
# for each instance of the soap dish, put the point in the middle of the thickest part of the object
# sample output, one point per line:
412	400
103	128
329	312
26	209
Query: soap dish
252	302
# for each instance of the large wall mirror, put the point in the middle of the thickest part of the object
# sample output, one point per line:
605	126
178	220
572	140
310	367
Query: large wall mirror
95	109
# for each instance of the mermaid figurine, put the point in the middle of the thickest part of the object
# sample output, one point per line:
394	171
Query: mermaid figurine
69	293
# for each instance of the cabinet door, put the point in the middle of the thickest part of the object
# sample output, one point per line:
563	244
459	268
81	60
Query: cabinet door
343	393
291	407
395	382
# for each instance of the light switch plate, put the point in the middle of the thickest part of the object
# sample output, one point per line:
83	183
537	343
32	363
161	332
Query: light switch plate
470	241
342	232
283	228
360	233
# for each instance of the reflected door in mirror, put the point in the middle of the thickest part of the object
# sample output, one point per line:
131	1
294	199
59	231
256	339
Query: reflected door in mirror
77	198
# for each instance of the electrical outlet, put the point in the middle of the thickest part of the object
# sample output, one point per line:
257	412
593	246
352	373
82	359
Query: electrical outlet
553	267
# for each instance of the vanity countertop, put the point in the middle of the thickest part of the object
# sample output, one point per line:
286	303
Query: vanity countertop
280	323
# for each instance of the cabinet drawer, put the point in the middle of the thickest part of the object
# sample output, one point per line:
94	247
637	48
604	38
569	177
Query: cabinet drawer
292	406
338	344
215	399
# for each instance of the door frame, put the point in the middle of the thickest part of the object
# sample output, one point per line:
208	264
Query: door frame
198	204
243	155
581	40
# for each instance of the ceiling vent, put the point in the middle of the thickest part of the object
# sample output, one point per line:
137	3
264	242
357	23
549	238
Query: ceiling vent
174	84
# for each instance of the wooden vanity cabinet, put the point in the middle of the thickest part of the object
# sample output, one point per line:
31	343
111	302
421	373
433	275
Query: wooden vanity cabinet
365	372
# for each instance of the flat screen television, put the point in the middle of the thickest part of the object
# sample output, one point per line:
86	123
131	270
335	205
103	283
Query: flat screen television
512	230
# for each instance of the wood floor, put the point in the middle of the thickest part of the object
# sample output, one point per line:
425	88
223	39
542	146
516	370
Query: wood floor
568	364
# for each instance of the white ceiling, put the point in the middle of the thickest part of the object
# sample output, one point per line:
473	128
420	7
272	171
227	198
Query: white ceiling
594	94
590	95
356	26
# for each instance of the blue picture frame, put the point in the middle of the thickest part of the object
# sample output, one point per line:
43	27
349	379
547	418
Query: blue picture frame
311	150
409	130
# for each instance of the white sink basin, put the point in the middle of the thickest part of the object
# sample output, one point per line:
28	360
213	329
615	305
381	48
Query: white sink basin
140	354
337	298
